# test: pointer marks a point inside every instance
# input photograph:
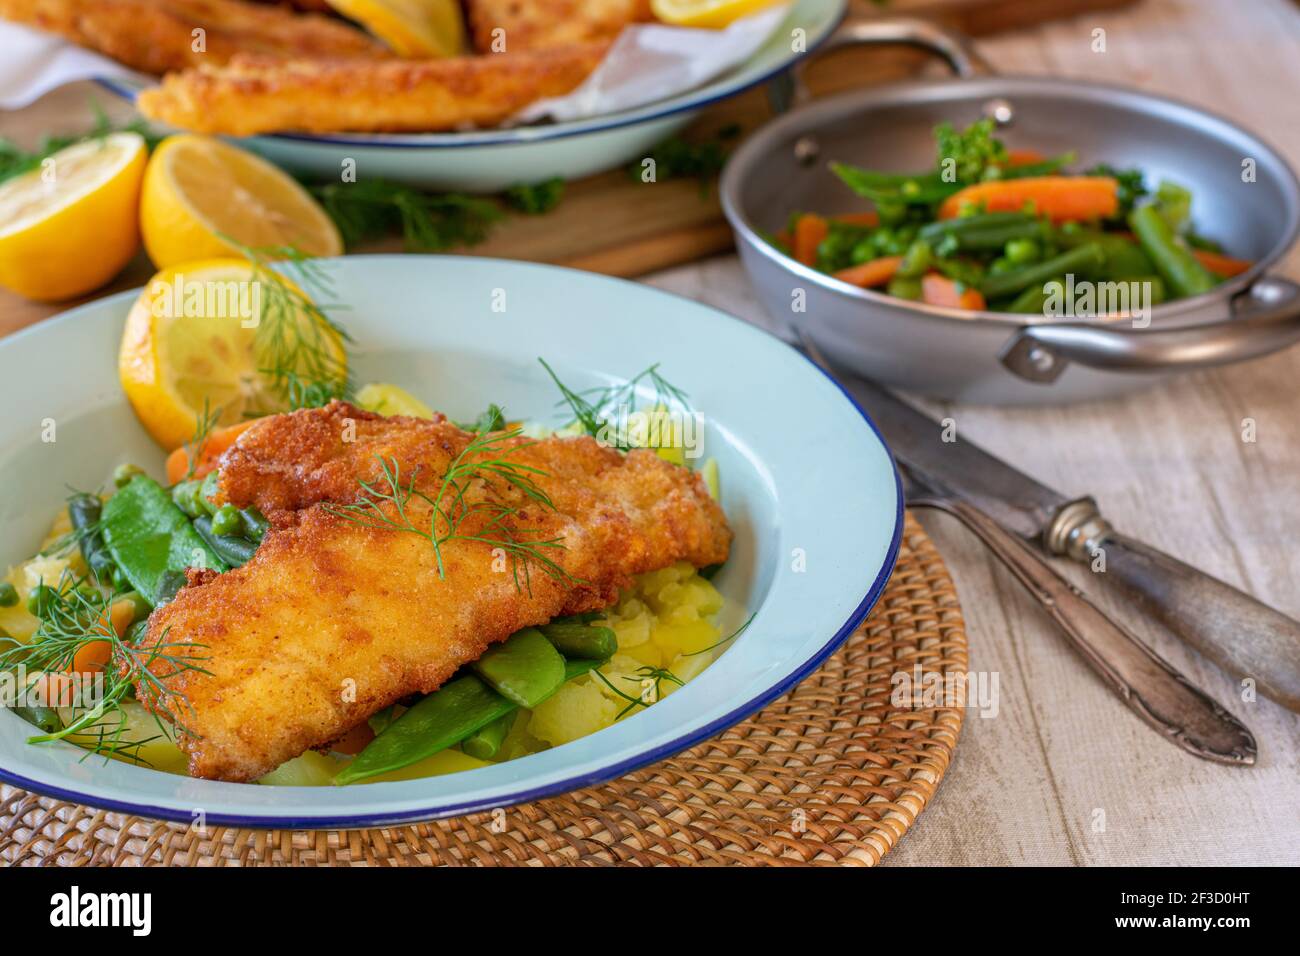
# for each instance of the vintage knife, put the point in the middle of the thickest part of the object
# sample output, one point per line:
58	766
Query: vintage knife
1243	636
1146	682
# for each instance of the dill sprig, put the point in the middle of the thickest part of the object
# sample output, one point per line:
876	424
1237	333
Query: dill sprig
299	345
592	407
75	616
195	447
14	160
384	503
428	222
642	674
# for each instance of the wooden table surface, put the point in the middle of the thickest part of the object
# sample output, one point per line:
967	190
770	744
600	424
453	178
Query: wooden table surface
1064	773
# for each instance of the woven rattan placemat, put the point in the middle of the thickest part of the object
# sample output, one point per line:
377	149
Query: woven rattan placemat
832	773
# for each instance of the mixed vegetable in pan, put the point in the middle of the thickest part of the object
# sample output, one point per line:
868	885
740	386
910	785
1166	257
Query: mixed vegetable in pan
992	228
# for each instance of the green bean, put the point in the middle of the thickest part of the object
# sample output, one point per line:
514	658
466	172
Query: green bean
983	231
123	474
150	536
1124	258
84	511
1075	260
255	525
46	718
443	719
233	551
486	741
581	640
227	520
525	668
1178	267
1032	299
8	594
185	495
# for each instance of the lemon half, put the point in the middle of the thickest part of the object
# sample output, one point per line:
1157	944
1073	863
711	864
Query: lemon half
71	225
193	337
199	191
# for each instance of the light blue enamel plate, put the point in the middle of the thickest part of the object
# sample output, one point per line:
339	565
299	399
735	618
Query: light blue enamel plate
490	160
807	484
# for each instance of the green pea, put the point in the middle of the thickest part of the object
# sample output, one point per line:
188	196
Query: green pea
124	473
904	288
40	599
227	520
917	260
1021	251
8	594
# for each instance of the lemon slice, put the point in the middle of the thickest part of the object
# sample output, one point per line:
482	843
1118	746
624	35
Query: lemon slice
413	28
71	225
707	14
198	190
206	332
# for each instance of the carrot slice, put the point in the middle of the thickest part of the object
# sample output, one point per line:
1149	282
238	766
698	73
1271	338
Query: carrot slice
940	290
809	231
1220	264
1024	157
871	274
91	657
178	462
1060	198
868	218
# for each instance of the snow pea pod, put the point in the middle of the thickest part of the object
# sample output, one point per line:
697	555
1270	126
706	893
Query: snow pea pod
233	550
525	668
445	718
150	538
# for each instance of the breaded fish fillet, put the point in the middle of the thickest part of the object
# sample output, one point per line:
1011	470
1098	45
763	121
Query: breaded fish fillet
334	619
537	24
158	36
259	95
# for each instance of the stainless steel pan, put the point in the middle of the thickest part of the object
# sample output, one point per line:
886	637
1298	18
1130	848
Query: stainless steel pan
1245	196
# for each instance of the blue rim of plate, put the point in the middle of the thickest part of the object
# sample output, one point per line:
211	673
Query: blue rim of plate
706	96
530	794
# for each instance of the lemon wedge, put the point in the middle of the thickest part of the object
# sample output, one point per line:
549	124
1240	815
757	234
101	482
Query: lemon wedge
70	225
707	14
206	332
413	28
198	190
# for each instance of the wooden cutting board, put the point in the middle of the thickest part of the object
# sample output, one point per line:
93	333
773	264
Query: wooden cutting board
611	223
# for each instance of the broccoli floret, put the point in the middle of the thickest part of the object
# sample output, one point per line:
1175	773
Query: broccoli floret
968	153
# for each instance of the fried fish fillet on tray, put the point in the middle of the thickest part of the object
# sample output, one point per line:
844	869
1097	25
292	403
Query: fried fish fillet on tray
253	95
157	36
536	24
335	617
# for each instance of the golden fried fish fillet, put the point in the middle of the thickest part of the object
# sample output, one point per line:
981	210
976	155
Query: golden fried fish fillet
537	24
259	95
335	618
157	36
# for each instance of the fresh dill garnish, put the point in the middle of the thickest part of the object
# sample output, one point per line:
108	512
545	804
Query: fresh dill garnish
428	222
678	158
74	616
299	346
194	448
14	160
534	199
384	504
592	407
492	419
731	637
655	675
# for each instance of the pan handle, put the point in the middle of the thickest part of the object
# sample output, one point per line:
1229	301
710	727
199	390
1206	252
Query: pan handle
951	46
1263	319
